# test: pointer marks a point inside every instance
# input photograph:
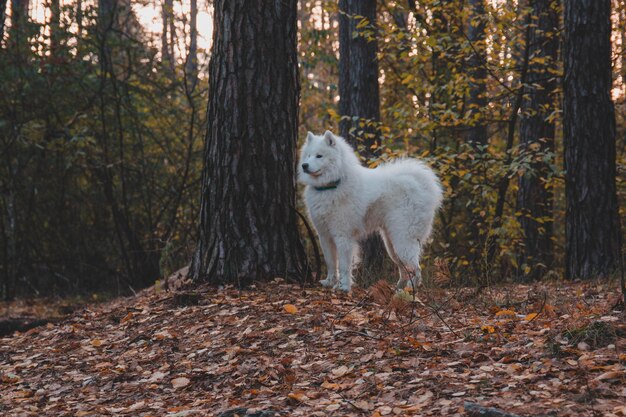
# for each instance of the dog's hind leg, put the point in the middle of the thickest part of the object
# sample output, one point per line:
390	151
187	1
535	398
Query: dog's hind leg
330	256
409	253
394	257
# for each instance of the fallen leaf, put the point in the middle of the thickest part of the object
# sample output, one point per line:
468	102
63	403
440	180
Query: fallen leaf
609	375
505	312
530	316
290	308
364	405
157	376
298	396
96	342
384	410
488	329
341	371
127	317
333	407
180	382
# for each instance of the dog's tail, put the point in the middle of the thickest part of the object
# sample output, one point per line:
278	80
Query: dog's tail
425	176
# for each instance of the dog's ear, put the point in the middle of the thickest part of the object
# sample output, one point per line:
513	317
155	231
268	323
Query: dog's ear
309	137
329	138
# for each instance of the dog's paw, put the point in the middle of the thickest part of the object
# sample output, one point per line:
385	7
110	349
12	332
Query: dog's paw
328	282
343	286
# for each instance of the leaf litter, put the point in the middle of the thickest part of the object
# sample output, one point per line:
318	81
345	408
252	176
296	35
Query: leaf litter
554	348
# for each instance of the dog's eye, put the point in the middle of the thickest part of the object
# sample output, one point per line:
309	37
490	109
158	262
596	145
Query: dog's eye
318	156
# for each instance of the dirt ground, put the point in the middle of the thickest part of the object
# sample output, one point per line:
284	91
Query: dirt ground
544	349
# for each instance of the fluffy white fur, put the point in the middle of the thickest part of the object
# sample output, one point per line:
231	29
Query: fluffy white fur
397	199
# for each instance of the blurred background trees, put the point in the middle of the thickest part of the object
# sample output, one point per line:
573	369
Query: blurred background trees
99	142
102	118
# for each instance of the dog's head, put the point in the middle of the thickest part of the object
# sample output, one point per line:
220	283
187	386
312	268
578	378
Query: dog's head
320	159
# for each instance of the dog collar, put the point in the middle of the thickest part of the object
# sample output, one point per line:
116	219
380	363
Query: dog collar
330	186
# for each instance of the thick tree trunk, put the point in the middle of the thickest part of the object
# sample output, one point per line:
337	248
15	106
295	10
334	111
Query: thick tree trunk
477	72
248	224
359	104
358	75
534	198
592	222
476	130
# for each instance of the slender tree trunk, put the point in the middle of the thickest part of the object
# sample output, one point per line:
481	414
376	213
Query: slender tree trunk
79	17
359	104
534	198
167	42
592	221
622	29
172	32
3	15
248	224
191	66
477	100
345	39
18	35
55	26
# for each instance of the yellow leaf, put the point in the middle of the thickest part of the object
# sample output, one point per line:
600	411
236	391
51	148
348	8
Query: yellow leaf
96	342
290	308
505	313
488	329
530	316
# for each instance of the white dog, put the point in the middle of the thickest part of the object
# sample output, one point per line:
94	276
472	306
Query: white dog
347	202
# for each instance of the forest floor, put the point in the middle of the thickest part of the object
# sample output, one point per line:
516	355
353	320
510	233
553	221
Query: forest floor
542	349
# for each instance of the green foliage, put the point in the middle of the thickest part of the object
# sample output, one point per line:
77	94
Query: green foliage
100	149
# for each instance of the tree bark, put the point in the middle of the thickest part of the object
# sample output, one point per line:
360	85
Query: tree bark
592	222
167	42
191	66
358	76
55	27
345	39
476	130
248	224
359	104
477	73
534	198
3	15
18	35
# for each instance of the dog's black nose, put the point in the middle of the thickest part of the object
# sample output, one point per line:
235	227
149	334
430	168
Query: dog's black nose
305	166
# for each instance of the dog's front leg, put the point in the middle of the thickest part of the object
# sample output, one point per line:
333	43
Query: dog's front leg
329	249
345	248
